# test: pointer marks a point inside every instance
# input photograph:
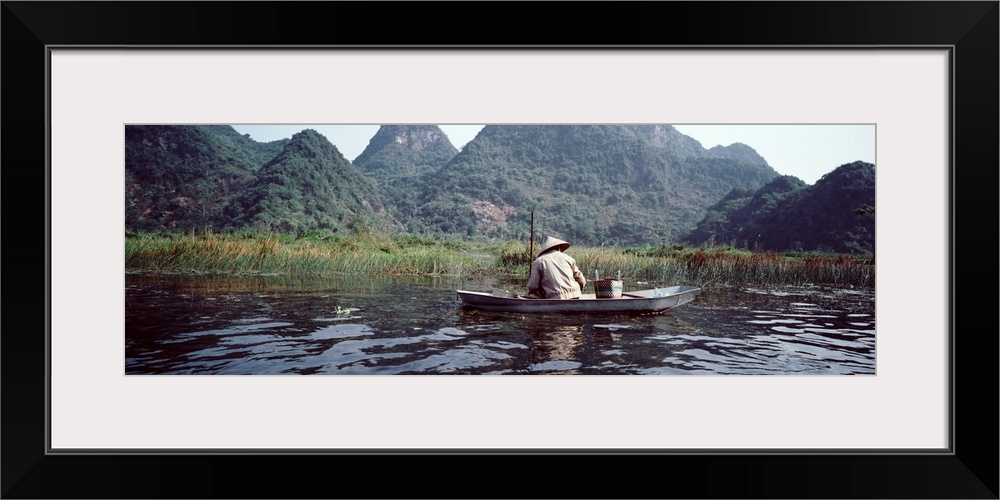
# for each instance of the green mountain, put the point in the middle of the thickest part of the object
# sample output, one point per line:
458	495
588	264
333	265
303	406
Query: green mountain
399	159
183	177
592	184
833	215
309	185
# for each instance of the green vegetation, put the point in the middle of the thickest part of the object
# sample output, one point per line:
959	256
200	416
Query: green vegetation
311	253
597	185
184	177
734	266
310	185
788	215
322	253
398	160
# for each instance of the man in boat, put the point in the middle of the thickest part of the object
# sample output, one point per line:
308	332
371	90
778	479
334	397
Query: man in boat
554	274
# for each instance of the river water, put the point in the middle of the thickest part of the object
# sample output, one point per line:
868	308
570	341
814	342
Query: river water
267	325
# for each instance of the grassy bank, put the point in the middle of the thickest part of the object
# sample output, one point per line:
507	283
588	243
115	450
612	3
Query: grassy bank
319	254
728	266
311	254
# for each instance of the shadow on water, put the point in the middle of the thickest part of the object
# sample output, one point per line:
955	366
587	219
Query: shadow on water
265	325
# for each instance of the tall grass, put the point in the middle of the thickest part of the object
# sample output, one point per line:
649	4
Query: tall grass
282	254
726	265
317	254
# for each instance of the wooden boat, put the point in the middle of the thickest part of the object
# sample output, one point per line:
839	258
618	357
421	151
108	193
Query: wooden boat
640	301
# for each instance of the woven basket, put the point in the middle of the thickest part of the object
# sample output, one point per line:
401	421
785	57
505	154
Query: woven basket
608	289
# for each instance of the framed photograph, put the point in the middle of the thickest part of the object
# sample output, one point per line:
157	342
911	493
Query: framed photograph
924	74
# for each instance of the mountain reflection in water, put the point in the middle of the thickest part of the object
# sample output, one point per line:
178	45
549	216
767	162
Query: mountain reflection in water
197	325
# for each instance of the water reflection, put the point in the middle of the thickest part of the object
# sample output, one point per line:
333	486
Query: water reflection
552	350
416	326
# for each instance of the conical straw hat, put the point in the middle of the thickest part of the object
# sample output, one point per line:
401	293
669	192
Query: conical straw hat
553	242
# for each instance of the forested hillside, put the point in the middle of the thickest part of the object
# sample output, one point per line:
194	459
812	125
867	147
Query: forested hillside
399	160
308	186
594	184
834	215
183	177
591	184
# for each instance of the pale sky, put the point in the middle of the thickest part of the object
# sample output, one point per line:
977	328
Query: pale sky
805	151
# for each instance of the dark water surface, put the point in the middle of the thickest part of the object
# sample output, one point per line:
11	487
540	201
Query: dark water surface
176	324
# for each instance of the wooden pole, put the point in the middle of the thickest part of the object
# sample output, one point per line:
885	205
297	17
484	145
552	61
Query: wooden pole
531	247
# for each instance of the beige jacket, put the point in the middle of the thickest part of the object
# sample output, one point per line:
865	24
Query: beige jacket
555	273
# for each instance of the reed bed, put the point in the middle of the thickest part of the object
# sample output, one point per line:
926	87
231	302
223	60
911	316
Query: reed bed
727	266
377	254
277	254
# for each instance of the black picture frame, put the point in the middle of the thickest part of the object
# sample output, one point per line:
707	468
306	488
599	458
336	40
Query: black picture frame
969	28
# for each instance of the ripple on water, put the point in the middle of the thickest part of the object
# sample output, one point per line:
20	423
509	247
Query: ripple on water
455	360
613	327
345	331
785	329
557	365
505	345
774	321
417	328
233	330
249	339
